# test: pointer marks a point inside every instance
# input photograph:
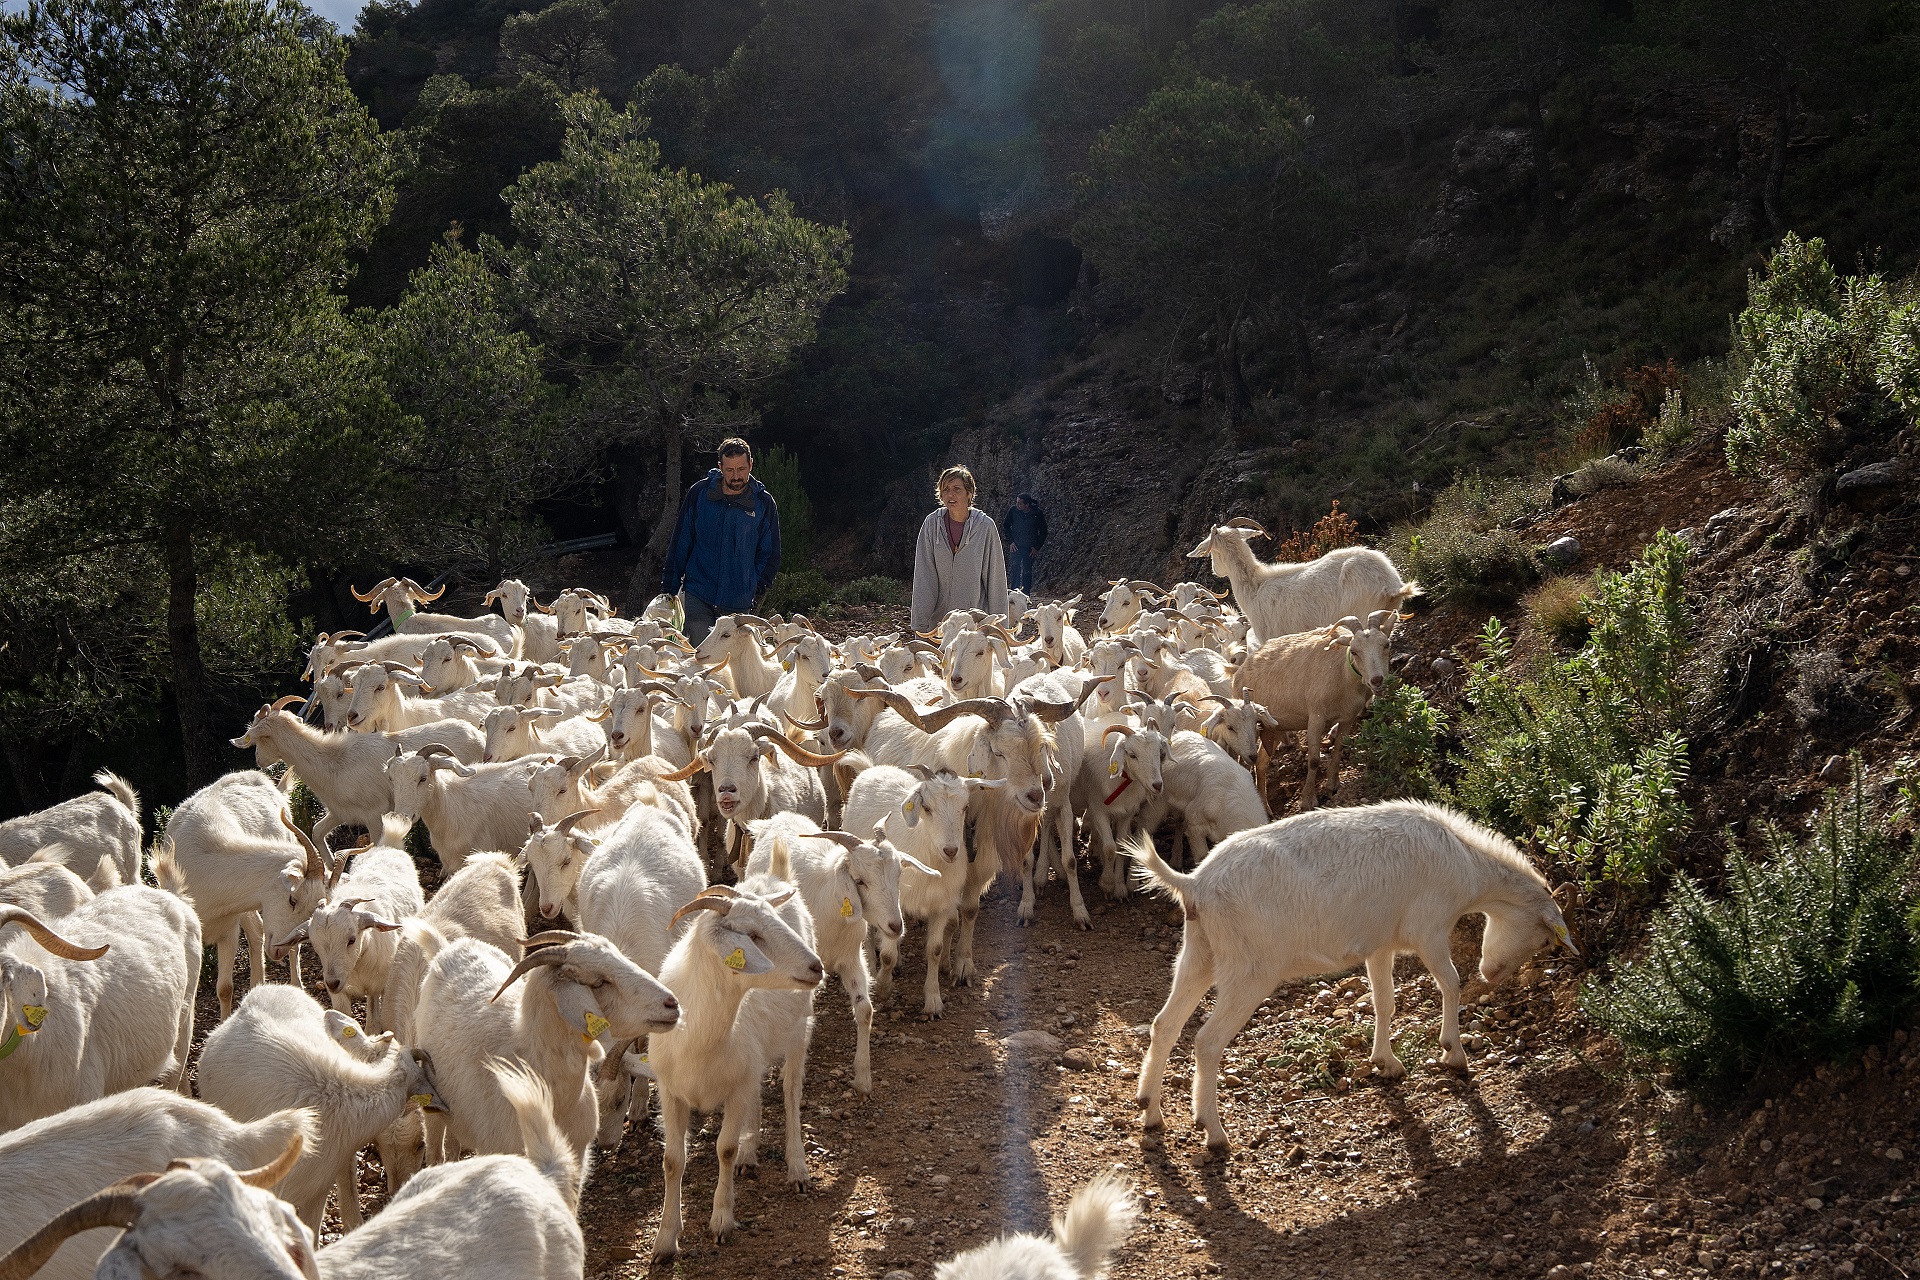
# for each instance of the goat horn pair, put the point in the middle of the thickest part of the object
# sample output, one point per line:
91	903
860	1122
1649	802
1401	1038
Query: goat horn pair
119	1205
370	596
717	898
420	593
551	951
998	630
813	760
1251	525
316	864
281	704
47	938
1051	712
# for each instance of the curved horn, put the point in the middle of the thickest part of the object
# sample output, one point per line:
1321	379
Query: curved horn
1051	712
420	593
546	956
867	671
47	938
811	726
548	938
1087	689
565	825
115	1206
292	699
1116	728
992	710
338	636
896	702
801	755
995	628
928	635
717	898
316	864
372	595
270	1175
845	839
681	775
1249	524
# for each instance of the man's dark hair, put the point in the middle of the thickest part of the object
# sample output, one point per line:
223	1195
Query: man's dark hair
734	446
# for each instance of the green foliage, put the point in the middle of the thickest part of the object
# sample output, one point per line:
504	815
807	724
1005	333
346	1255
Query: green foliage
1558	607
797	591
1398	743
1466	549
780	472
877	589
565	43
1585	750
176	379
1805	345
1810	953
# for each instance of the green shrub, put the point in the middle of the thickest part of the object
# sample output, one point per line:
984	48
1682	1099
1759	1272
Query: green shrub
1805	346
877	589
1467	548
797	590
1810	954
1583	749
1896	357
780	472
1398	743
1558	607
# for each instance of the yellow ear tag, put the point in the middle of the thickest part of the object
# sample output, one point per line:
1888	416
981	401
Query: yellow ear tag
421	1100
595	1025
909	806
846	908
35	1015
1113	770
786	666
348	1033
643	1057
1560	934
736	959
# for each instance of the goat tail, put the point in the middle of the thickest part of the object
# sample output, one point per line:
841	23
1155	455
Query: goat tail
1407	591
546	1146
393	831
1152	873
121	790
166	870
780	859
1097	1221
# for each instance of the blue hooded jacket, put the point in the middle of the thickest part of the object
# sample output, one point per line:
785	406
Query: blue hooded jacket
723	553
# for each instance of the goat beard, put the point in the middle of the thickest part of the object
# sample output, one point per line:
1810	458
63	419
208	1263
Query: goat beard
1008	830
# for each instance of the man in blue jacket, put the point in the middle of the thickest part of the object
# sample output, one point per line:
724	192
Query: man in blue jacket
726	542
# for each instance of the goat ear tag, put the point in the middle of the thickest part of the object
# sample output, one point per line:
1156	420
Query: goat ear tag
348	1033
742	957
1113	770
846	908
595	1025
35	1015
786	666
737	959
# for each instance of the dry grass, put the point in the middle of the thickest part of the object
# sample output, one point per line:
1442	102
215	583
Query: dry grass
1558	607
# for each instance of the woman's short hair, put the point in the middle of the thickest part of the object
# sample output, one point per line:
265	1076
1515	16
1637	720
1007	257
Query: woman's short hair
959	473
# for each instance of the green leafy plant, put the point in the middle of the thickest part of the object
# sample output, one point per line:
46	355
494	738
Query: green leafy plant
1583	752
1810	953
780	472
876	589
1467	548
1398	743
798	590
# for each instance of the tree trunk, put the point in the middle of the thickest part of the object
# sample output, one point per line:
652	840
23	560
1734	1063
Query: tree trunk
190	692
73	776
630	491
1777	162
1231	377
327	600
653	556
26	774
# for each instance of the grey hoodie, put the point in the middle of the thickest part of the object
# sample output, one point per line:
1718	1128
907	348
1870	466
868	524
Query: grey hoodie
974	577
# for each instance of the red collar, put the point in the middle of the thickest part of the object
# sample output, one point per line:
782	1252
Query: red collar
1126	780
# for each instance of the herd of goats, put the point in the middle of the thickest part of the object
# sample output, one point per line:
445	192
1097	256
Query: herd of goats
651	855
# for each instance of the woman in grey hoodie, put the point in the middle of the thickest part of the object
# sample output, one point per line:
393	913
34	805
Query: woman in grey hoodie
957	562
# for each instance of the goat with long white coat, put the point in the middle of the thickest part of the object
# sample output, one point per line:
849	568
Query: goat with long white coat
1209	792
98	834
245	865
62	1160
1060	640
275	1053
564	786
473	1006
353	931
1055	849
1113	785
103	1005
539	631
490	1218
381	705
735	638
513	732
458	663
1316	681
346	772
923	814
1286	599
750	779
850	891
1321	892
745	972
398	597
465	807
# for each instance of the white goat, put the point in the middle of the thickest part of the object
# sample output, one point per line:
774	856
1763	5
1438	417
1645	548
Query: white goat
539	632
106	1004
745	972
1060	640
473	1006
1124	602
457	663
735	641
1116	780
60	1161
1316	681
275	1053
1324	891
398	597
44	890
1210	792
1098	1219
465	807
848	892
513	732
245	865
380	704
352	931
346	772
99	834
1285	599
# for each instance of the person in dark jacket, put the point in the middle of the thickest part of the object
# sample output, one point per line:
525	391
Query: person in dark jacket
726	542
1026	529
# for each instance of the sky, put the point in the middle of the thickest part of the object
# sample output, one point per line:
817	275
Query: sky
340	13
